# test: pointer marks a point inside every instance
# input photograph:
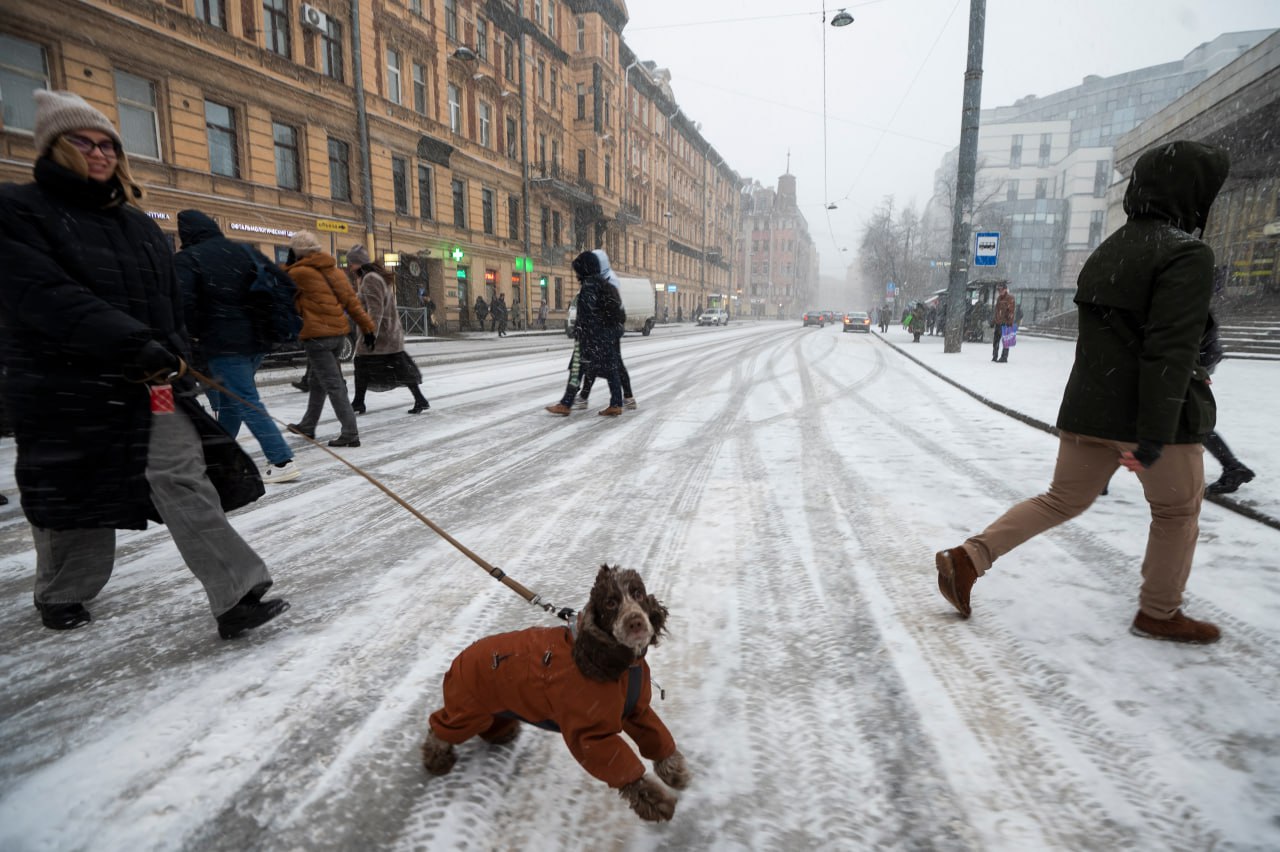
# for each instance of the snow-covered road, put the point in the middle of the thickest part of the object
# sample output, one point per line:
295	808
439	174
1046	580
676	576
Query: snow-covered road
783	491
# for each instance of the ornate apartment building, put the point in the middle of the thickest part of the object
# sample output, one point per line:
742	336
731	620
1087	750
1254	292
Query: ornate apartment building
477	144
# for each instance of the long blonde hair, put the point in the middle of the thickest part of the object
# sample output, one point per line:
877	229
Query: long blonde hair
66	155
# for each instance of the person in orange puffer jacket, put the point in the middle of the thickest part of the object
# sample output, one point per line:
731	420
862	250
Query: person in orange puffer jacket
325	300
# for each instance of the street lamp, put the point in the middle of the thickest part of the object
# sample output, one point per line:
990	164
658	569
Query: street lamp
841	19
465	53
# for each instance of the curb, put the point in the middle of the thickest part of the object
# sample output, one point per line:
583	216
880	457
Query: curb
1217	499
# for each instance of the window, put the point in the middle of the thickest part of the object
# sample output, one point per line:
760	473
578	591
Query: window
551	18
139	126
210	11
509	59
512	141
426	195
542	151
220	123
1046	148
582	163
419	89
400	184
1015	151
607	44
339	170
23	69
331	50
486	121
513	217
1042	187
537	11
415	6
1011	190
541	79
555	84
559	293
286	145
545	227
608	171
393	76
582	100
459	202
451	19
1095	228
1101	178
482	38
455	108
555	227
486	209
275	25
582	38
555	153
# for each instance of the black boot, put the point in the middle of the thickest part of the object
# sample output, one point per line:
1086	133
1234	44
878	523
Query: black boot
420	403
249	613
358	406
1231	479
63	616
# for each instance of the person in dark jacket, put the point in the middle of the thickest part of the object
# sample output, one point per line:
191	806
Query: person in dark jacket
95	349
588	378
1005	317
482	311
215	275
325	300
1137	396
599	313
499	310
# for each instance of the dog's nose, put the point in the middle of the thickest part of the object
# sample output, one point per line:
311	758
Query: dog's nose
636	621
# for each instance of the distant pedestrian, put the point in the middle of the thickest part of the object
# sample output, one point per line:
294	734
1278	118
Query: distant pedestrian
433	327
228	332
516	312
105	417
325	300
542	315
500	314
628	398
482	311
1004	319
916	322
930	319
599	311
385	365
1137	396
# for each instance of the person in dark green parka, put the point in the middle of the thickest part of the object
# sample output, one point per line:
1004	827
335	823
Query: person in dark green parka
1137	396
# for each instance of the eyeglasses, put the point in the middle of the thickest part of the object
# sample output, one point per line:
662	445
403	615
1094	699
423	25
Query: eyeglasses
107	147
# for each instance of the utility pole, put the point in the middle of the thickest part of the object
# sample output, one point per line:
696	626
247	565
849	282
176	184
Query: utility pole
525	189
966	170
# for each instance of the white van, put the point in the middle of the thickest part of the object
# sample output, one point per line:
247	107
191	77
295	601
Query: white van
637	300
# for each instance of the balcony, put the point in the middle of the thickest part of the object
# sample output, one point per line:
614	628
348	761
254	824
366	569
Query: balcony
629	214
557	180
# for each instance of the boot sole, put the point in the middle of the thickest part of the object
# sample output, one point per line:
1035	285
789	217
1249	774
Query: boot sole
269	613
1142	634
947	582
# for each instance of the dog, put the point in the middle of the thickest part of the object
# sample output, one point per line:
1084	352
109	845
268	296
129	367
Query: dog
590	683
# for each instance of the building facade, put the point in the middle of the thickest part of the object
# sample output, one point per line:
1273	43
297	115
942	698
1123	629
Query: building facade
781	258
476	144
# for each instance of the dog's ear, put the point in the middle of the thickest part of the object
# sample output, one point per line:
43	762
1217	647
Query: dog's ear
657	617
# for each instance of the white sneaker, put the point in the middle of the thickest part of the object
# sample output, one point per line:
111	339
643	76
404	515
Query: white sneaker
629	402
286	472
579	403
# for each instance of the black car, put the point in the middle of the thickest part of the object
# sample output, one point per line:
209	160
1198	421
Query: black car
857	321
814	318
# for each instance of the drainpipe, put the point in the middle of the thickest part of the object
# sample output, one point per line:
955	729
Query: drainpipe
362	123
525	189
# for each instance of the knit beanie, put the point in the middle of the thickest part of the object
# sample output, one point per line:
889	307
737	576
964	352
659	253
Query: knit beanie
357	255
304	243
64	112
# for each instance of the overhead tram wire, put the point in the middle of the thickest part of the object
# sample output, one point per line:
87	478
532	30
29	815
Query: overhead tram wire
720	21
901	101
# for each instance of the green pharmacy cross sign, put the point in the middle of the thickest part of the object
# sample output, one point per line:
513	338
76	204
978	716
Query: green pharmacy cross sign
524	264
457	254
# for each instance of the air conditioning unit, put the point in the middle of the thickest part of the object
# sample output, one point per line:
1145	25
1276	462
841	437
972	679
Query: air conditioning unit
313	18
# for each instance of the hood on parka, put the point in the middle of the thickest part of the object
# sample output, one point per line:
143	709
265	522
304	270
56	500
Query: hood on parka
1176	182
606	271
586	265
196	227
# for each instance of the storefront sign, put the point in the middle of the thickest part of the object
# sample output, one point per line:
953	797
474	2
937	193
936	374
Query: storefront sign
259	229
332	227
164	217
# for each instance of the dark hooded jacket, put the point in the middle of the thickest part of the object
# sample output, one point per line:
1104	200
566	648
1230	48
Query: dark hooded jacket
215	275
599	309
1143	300
88	282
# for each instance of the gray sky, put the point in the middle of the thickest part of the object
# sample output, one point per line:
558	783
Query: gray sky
893	81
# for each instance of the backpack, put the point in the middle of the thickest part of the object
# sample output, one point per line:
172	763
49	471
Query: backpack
272	308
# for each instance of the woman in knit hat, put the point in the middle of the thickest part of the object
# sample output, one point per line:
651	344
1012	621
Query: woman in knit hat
96	353
386	365
325	300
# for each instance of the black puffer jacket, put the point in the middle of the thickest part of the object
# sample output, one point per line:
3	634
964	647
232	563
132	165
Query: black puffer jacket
1143	300
215	275
87	282
599	310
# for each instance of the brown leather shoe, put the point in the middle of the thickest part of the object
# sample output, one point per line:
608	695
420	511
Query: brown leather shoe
1176	629
559	408
611	411
956	576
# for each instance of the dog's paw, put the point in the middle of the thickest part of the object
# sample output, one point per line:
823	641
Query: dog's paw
437	755
673	771
650	801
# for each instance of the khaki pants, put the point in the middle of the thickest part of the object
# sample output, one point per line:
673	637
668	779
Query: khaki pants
1174	488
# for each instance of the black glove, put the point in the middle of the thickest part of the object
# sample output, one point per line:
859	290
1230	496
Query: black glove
1148	452
158	365
370	340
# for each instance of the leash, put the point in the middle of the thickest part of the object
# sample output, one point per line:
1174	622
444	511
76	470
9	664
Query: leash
563	613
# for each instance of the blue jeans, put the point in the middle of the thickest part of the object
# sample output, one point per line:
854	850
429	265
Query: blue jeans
235	373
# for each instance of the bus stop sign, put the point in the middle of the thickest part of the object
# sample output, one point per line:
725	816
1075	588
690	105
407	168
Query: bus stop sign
987	248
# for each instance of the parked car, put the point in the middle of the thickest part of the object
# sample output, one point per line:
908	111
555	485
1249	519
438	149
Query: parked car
814	318
714	316
857	321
